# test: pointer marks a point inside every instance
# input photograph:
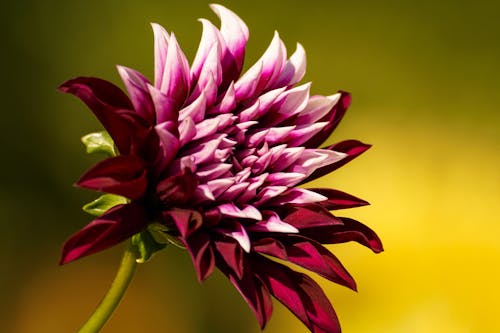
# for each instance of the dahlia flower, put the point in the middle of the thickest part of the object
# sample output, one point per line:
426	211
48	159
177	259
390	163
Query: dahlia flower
212	159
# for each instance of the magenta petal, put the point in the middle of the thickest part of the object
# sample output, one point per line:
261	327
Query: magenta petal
299	293
176	76
252	289
185	220
314	257
235	34
178	189
115	226
161	49
231	253
352	148
308	217
198	245
333	118
123	175
338	199
349	230
137	87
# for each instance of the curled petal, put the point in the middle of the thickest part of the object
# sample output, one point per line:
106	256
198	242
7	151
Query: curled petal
123	175
350	148
338	199
299	293
201	253
294	69
333	117
297	196
177	189
115	226
176	78
113	109
236	231
273	223
235	34
302	217
349	230
137	87
161	37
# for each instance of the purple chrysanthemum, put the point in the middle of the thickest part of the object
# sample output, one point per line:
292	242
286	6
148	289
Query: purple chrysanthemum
216	158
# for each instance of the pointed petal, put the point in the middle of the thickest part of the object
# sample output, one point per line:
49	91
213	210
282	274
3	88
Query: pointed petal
111	106
272	223
115	226
299	293
305	217
176	78
137	87
177	189
333	117
294	69
338	199
352	148
123	175
202	254
255	294
187	221
164	106
235	34
297	196
350	230
314	257
236	231
161	38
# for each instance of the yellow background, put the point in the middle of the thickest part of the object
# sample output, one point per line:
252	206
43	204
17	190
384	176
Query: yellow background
425	82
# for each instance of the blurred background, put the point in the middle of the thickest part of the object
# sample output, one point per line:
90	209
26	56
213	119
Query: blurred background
425	82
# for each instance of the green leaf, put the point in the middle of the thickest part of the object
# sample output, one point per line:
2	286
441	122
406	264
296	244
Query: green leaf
146	245
161	235
103	203
99	142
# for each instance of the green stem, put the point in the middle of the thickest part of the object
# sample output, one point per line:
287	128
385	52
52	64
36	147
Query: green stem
114	295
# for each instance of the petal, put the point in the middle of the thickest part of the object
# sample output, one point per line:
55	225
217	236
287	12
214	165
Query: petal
299	293
176	78
187	221
236	231
314	257
164	106
350	230
294	69
308	217
201	253
232	255
297	196
317	107
161	37
210	37
177	189
273	223
338	199
352	148
112	107
137	87
115	226
333	117
235	34
123	175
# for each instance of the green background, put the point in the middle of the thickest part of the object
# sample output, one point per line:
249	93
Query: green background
425	82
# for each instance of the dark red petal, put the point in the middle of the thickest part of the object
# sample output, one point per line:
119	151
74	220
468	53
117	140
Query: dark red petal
353	148
185	220
177	190
270	246
111	106
309	216
333	117
315	257
123	175
231	253
255	294
115	226
350	230
198	245
338	199
299	293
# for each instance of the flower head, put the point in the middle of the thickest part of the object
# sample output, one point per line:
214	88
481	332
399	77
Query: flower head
215	159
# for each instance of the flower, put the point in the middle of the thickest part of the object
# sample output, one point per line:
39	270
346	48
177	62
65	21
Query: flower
215	158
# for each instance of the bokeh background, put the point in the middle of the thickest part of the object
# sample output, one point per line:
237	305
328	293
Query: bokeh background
425	81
